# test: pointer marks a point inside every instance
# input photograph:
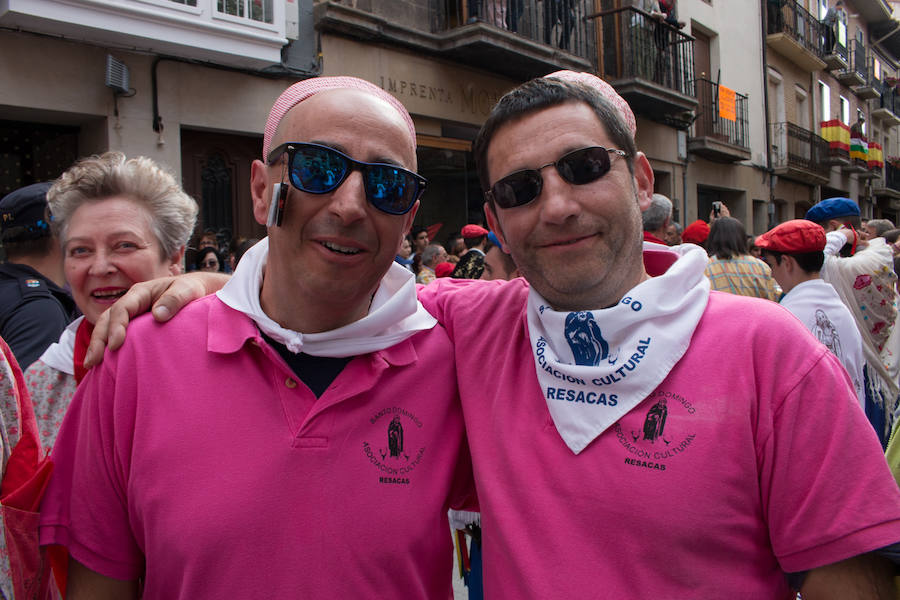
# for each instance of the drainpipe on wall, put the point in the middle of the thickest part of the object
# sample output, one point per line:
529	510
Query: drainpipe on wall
765	74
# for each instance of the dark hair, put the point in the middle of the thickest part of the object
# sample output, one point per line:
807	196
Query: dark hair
242	247
727	238
811	262
201	256
539	94
415	233
891	236
42	246
473	241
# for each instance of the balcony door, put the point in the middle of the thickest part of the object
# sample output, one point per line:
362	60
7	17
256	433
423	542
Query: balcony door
702	62
215	169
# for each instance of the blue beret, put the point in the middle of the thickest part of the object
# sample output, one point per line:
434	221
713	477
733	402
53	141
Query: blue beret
493	238
833	208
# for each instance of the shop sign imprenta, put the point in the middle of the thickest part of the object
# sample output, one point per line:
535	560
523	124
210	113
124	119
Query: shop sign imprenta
466	98
428	88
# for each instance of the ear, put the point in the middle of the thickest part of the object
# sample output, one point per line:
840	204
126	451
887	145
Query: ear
494	225
408	219
177	260
643	180
790	264
259	188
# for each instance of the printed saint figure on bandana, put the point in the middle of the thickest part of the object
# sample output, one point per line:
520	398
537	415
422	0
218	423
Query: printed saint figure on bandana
655	421
585	340
827	334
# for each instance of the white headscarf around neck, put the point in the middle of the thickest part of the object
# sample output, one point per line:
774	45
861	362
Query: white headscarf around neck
395	313
594	366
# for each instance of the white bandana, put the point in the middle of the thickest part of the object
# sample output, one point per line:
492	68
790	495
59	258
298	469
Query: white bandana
395	313
61	355
595	366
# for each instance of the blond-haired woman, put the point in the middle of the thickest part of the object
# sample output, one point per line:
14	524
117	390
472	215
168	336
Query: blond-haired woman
119	221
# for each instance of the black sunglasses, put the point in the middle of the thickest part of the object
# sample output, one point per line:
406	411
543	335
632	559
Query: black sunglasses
578	167
317	169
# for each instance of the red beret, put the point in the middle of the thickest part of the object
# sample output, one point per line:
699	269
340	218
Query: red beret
443	269
798	235
695	233
473	231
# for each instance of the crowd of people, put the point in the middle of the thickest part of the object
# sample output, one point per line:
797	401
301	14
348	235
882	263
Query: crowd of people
621	417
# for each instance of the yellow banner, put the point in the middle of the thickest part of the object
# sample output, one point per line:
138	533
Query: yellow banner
726	103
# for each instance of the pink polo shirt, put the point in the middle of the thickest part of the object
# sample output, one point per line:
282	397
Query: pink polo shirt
761	461
194	456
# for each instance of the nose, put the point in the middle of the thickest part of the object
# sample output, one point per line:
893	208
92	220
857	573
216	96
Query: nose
349	201
556	200
101	264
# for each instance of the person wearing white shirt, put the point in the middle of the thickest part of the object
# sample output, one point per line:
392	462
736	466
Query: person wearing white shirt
794	251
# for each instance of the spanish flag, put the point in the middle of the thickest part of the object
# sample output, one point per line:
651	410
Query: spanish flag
876	156
837	134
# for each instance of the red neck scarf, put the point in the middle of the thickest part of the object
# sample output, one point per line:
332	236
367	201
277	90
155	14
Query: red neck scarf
82	339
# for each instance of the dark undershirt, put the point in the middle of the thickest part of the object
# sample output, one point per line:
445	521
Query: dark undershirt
317	372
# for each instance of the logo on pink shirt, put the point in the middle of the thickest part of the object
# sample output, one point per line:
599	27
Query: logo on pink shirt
391	448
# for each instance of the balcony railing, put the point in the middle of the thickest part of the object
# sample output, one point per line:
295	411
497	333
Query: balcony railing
551	22
799	151
856	72
709	121
837	56
797	23
891	177
635	45
871	86
887	106
858	58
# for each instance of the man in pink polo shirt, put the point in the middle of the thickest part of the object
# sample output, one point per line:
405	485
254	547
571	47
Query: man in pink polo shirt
267	443
638	435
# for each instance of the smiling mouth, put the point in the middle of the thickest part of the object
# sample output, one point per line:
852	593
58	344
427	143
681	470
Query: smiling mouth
345	250
568	242
108	295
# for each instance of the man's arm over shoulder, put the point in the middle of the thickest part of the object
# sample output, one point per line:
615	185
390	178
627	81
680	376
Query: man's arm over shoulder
465	300
164	297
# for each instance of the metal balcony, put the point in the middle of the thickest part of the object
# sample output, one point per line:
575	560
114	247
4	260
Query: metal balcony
519	39
887	109
888	185
871	87
856	73
837	58
650	63
799	154
716	137
795	34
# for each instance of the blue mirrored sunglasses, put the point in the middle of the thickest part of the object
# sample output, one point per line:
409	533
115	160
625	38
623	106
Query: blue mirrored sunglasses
317	169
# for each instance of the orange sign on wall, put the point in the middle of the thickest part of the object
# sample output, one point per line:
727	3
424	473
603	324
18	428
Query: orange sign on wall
726	103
